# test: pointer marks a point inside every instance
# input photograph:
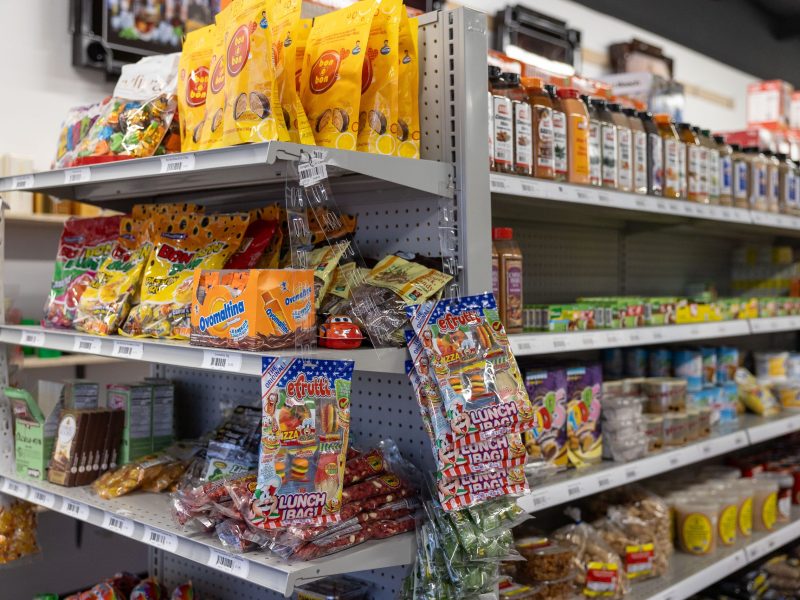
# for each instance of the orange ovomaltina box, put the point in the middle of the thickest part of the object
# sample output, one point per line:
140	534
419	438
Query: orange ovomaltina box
255	309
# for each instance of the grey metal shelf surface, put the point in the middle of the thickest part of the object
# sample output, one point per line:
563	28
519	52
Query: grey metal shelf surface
690	574
181	354
638	206
147	518
212	175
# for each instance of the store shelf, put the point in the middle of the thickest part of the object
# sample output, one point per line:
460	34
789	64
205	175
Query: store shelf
222	174
637	206
147	518
45	219
181	354
72	360
584	482
690	574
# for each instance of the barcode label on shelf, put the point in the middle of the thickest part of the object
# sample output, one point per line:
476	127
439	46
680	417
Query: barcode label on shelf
227	361
311	173
497	184
20	490
32	338
22	182
42	498
574	490
539	500
233	565
177	163
87	345
118	524
76	510
530	188
161	539
81	175
134	350
631	474
606	481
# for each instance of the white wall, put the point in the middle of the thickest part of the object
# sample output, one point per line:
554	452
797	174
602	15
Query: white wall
599	31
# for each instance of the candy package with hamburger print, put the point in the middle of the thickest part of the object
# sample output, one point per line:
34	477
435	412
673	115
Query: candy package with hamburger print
305	432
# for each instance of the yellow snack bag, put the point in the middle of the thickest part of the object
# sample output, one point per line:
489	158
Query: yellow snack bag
377	117
105	303
185	242
211	132
252	91
284	18
331	79
407	130
300	35
193	76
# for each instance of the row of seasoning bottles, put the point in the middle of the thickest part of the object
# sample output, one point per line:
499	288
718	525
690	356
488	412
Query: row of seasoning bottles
550	133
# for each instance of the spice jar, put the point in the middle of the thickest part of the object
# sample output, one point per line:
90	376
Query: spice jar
639	145
494	77
693	162
503	124
509	278
577	135
741	177
725	171
654	431
595	142
696	521
655	155
712	166
773	181
521	111
561	160
703	183
624	146
692	425
765	502
665	394
786	183
758	178
610	144
542	126
675	424
672	185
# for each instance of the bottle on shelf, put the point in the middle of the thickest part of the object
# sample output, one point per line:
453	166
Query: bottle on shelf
757	171
561	162
639	145
577	135
711	187
773	181
683	179
786	184
693	162
672	153
494	77
595	143
795	204
655	155
625	149
523	140
503	124
610	144
724	171
741	177
542	126
509	261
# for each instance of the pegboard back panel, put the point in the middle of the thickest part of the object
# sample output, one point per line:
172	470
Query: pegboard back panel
409	226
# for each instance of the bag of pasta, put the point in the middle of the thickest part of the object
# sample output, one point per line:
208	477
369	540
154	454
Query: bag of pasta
105	303
185	242
193	79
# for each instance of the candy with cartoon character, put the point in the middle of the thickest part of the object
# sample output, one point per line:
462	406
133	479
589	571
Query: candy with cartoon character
584	437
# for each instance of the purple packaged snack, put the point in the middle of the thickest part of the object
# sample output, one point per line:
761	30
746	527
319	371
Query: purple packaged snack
547	389
584	397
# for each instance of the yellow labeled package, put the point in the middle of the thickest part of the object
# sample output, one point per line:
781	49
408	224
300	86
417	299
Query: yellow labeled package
300	36
331	80
193	75
252	91
324	261
377	116
407	127
105	303
211	132
412	282
185	242
284	18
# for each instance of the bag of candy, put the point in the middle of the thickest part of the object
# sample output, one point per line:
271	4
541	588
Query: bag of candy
82	248
258	239
105	303
476	373
470	490
408	134
75	127
193	79
305	430
185	242
136	119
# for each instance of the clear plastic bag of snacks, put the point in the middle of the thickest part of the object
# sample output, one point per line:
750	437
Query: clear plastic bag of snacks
17	529
74	128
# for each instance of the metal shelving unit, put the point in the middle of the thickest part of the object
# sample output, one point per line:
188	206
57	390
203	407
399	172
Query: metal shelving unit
72	360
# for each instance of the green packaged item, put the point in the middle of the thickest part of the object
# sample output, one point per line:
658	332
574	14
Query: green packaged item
136	399
35	428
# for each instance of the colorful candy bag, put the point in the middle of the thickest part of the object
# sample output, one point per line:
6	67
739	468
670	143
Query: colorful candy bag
82	248
185	242
258	239
76	125
252	107
469	490
474	369
211	132
378	109
104	305
408	134
193	80
138	116
305	425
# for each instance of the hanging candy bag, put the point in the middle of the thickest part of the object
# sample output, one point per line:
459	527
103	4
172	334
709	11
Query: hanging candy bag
193	79
305	430
216	97
407	129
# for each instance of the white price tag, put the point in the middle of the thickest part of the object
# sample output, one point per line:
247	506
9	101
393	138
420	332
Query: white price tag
559	343
118	524
640	202
87	345
606	480
497	184
657	334
574	490
133	350
540	500
523	347
311	173
161	539
42	498
603	198
76	510
739	440
631	474
688	208
706	449
177	163
227	563
585	195
613	338
227	361
700	210
20	490
635	336
588	340
81	175
661	205
674	460
694	331
530	189
32	338
22	182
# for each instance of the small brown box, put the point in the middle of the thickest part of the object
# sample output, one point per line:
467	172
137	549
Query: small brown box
72	426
